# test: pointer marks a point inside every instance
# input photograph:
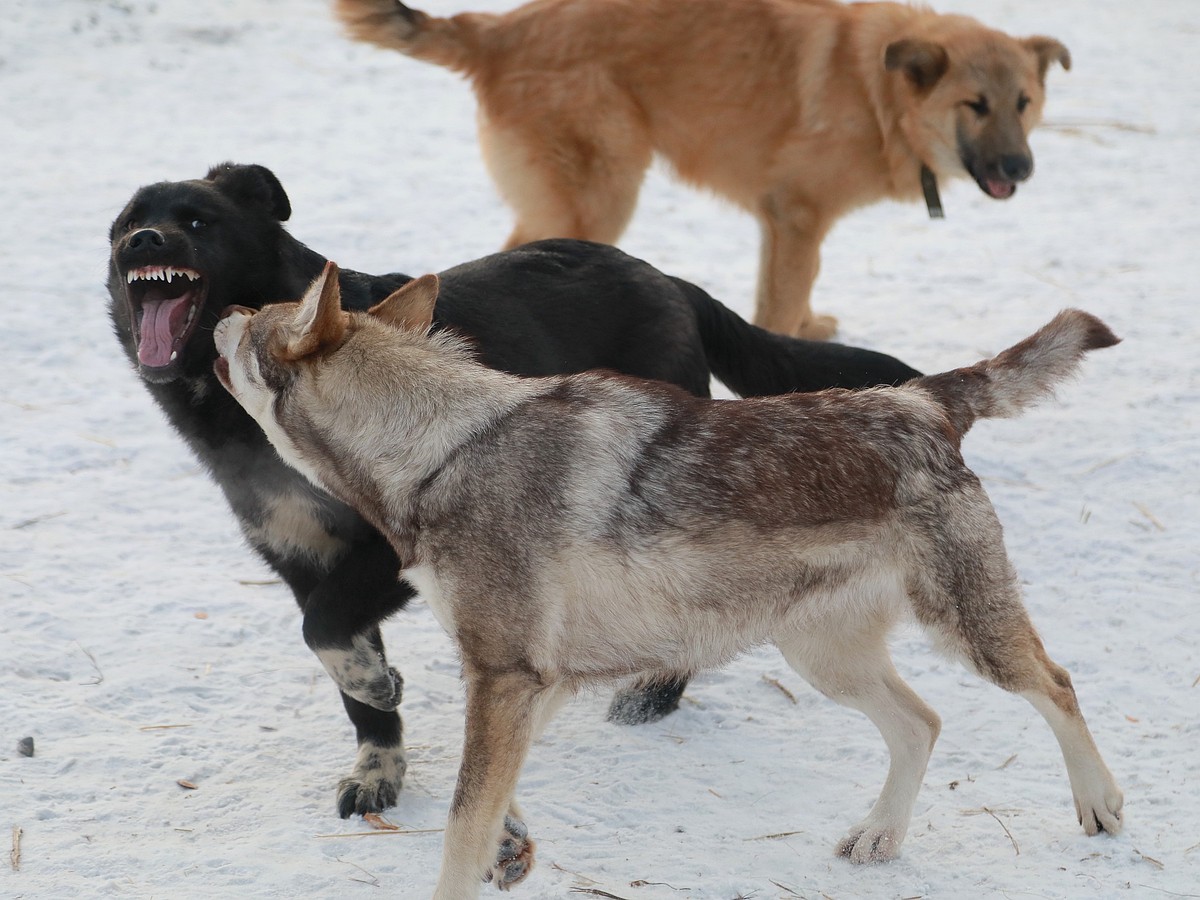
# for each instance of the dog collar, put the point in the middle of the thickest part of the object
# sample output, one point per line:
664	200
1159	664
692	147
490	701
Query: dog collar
933	202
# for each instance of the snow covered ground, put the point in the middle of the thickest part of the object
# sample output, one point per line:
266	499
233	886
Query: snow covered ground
141	644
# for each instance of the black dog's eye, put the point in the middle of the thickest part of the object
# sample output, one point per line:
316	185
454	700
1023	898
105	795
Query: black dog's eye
197	224
980	106
1022	102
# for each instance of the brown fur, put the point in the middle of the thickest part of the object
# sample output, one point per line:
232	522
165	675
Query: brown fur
577	529
798	111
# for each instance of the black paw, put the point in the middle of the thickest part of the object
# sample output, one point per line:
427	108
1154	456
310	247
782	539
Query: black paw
646	703
385	692
375	783
360	671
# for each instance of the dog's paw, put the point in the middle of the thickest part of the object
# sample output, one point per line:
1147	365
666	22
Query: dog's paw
818	328
360	671
645	703
870	843
514	856
375	783
1103	813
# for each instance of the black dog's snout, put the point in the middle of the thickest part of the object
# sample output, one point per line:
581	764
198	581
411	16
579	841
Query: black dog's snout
1015	167
146	238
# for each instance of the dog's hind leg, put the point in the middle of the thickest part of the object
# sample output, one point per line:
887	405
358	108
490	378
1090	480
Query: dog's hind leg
504	712
966	595
854	668
973	605
566	181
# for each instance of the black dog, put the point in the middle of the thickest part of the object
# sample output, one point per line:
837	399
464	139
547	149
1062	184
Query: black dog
183	251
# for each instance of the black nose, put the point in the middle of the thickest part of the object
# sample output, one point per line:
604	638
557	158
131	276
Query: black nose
1015	167
145	238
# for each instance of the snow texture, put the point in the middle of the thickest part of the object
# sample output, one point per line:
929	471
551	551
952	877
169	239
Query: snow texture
142	644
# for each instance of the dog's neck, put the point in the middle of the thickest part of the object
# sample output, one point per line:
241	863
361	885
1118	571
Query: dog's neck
377	456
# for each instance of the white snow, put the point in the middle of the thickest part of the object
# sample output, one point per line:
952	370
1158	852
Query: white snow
139	645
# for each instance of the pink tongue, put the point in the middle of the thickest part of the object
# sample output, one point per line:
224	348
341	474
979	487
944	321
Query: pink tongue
1000	189
161	321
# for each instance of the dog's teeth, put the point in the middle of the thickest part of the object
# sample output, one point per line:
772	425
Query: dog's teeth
129	277
174	355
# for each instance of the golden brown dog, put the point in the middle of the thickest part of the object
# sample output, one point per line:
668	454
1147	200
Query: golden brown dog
798	111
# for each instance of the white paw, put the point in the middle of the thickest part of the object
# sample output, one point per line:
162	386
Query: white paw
1102	813
871	843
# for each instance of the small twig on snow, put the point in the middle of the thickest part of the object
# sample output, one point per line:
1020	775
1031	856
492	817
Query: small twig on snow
1006	831
775	683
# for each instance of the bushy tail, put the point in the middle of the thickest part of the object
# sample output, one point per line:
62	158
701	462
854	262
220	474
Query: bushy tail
1021	375
390	24
754	362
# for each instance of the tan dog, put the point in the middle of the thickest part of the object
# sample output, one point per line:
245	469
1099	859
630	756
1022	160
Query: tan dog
798	111
572	530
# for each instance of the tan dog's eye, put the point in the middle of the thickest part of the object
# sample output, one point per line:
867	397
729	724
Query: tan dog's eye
980	106
1022	102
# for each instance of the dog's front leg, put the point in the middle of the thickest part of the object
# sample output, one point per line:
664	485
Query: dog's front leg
789	260
374	783
341	618
485	837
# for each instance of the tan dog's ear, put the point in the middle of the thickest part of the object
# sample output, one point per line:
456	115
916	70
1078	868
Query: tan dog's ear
410	306
321	322
1047	50
923	62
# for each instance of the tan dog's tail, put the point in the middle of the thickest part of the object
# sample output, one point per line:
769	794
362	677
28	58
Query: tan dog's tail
1021	375
390	24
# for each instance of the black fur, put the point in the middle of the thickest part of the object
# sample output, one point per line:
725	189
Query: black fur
547	308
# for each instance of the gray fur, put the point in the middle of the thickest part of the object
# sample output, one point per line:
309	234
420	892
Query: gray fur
593	527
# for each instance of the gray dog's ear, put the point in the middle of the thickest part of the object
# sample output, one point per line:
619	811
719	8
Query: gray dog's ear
411	306
320	323
1047	50
923	62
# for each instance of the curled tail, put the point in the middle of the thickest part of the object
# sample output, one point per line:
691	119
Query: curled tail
754	362
1021	375
452	43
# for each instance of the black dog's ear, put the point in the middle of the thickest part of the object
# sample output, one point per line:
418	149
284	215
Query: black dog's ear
924	62
256	185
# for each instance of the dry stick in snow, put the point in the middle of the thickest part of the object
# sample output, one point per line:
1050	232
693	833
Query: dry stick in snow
14	855
774	682
1005	827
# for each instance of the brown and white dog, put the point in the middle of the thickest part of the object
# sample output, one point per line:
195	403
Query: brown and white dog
583	528
798	111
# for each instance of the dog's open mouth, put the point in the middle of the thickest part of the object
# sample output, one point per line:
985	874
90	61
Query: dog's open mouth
165	302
